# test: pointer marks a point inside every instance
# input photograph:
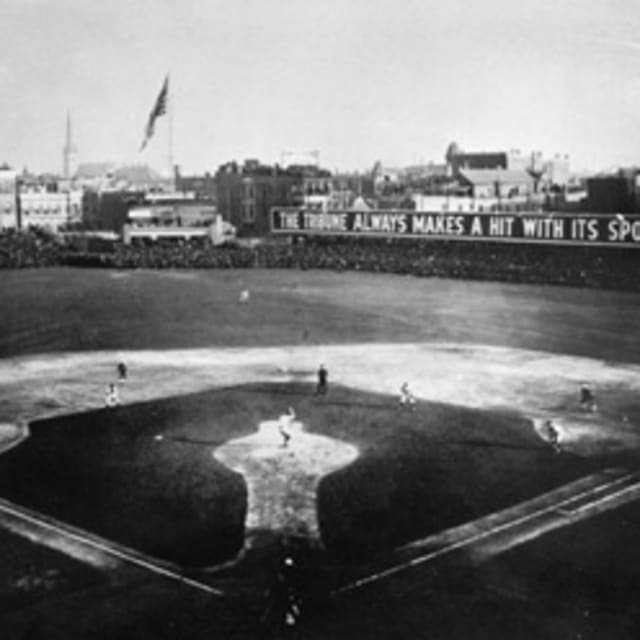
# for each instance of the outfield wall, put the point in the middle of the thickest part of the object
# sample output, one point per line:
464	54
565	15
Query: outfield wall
531	228
608	265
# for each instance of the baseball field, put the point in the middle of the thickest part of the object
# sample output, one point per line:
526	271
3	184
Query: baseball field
425	521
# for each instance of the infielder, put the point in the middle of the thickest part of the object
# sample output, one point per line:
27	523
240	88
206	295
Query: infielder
407	399
323	381
552	435
587	400
111	398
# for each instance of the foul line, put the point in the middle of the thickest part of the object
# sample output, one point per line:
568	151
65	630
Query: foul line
611	496
482	535
110	550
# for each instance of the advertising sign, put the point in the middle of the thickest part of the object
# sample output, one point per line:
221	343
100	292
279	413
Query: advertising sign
572	229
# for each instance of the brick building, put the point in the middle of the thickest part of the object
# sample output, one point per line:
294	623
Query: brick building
615	193
246	193
202	187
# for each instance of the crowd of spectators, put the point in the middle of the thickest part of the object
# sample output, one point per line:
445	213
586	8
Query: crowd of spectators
196	253
601	267
34	248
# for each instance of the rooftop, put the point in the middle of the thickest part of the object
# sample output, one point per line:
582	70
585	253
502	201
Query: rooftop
491	176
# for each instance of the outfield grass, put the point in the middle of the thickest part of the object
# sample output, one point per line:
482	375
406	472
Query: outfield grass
78	309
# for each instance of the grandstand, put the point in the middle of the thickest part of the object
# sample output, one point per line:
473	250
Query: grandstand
608	267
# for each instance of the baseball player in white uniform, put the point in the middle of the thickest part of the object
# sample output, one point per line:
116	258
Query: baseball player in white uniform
111	398
284	426
407	399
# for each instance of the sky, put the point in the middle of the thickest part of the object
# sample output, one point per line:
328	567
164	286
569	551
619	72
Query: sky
356	80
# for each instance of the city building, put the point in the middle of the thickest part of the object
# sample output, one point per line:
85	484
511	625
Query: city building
497	183
435	203
246	193
326	192
549	172
393	180
9	214
48	203
386	178
94	175
139	177
614	193
107	176
201	186
107	210
456	160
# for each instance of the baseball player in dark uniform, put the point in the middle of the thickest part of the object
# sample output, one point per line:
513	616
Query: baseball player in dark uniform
552	435
323	380
587	400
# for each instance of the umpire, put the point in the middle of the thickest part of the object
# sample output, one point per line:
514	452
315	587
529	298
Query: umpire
323	381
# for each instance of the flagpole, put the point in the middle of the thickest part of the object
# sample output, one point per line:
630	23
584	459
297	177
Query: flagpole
170	114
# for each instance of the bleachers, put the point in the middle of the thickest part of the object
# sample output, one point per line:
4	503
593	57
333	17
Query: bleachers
601	267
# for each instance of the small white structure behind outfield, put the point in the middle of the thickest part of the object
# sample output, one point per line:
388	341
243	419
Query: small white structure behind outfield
181	219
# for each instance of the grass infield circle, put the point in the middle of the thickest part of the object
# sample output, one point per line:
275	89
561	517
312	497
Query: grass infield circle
144	474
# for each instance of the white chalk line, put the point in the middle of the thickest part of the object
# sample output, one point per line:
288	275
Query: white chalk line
108	549
596	490
611	496
486	534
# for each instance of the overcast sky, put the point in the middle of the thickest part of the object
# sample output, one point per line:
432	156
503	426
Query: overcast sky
358	80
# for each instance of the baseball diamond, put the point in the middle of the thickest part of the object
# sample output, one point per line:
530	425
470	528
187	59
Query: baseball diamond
319	322
221	459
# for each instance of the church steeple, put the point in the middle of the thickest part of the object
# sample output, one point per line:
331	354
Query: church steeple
69	153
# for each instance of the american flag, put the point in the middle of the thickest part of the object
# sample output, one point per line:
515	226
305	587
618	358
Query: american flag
159	109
